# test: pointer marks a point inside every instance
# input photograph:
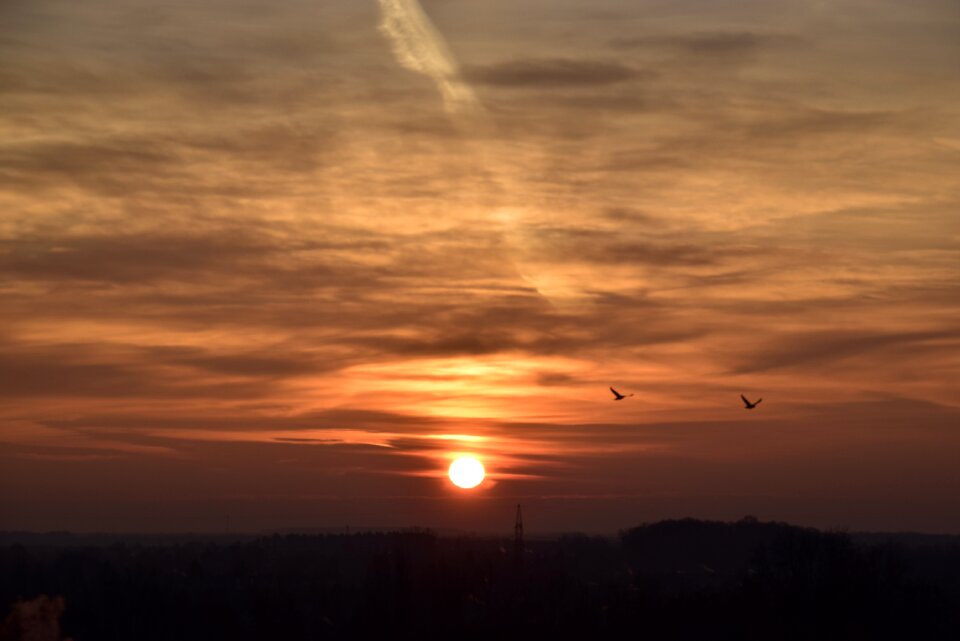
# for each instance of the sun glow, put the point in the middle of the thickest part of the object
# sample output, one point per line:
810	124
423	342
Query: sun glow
466	472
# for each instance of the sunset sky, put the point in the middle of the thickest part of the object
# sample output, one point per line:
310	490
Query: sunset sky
271	264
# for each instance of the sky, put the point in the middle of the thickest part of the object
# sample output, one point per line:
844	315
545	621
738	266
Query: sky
276	264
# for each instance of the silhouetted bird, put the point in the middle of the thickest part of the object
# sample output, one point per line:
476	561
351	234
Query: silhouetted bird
747	404
618	396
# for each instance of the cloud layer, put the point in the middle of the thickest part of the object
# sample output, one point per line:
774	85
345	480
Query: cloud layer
249	264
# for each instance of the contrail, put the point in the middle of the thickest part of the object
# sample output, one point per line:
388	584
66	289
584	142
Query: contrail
419	47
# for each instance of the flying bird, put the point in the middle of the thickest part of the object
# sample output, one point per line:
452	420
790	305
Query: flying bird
618	396
747	404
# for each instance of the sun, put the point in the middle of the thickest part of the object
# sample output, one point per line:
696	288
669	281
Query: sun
466	472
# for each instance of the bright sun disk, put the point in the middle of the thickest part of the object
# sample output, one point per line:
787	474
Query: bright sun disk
466	472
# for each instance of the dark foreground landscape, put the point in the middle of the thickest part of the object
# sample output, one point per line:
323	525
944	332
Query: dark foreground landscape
670	580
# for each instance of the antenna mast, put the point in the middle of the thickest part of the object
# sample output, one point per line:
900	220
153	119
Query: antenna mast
518	536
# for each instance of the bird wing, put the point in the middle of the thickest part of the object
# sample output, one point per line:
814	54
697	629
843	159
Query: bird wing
745	400
759	400
615	392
